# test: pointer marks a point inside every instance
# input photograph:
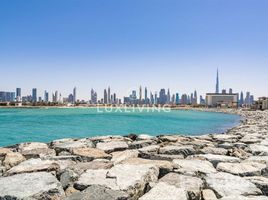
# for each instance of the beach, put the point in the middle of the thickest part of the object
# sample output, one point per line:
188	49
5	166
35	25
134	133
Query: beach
225	166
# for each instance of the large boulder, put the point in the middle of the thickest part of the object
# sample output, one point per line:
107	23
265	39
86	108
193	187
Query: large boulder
225	184
261	182
240	197
112	146
175	150
90	154
165	191
98	192
40	185
257	149
208	194
129	178
35	150
34	165
12	159
69	144
192	185
193	166
214	150
120	156
243	169
215	159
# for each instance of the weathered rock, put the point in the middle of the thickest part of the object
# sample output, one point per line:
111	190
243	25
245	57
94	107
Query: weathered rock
193	166
68	145
67	178
71	190
225	138
145	137
64	164
261	182
192	185
36	150
260	159
251	139
168	138
215	159
257	149
239	153
120	156
12	159
34	165
208	195
161	156
98	192
240	197
4	151
175	150
89	154
95	164
129	178
141	144
214	150
226	145
165	191
163	165
150	149
40	185
225	184
112	146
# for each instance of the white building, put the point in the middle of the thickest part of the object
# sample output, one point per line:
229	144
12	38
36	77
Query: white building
221	100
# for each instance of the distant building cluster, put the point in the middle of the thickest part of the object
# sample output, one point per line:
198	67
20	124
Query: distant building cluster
139	97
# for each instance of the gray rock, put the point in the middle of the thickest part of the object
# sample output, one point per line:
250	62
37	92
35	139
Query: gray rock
67	178
34	165
150	149
112	146
215	159
214	150
68	145
120	156
165	191
40	185
243	169
261	182
95	164
193	166
240	197
89	154
35	150
141	144
175	150
257	149
192	185
260	159
225	184
98	192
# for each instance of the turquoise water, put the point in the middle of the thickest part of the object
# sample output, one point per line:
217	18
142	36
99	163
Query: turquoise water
44	125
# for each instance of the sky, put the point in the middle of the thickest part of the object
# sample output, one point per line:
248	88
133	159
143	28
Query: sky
177	44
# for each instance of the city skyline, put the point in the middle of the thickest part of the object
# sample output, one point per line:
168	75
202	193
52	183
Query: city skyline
91	44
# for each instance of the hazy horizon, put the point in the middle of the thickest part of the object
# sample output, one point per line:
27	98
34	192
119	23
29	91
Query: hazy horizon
57	45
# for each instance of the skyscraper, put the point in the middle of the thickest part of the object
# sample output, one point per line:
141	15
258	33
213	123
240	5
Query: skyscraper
46	96
18	94
109	95
146	95
74	95
177	99
34	95
168	96
105	97
241	99
217	83
140	94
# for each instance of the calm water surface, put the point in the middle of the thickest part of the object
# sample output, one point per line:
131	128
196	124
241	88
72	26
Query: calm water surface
44	125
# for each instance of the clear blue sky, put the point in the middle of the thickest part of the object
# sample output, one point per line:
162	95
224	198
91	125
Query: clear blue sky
59	44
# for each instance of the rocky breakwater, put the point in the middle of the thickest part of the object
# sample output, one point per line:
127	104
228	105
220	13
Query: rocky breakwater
230	166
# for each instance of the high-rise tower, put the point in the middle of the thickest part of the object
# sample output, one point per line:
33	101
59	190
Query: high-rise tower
217	83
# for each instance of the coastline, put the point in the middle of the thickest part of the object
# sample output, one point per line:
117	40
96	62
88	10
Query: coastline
188	167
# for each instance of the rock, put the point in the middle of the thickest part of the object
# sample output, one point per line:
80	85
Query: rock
215	159
243	169
225	184
82	167
4	151
257	149
240	197
225	138
239	153
89	154
112	146
193	166
40	185
260	159
161	156
226	145
98	192
168	138
175	150
34	165
63	164
165	191
12	159
132	137
261	182
192	185
129	178
208	194
250	139
163	165
214	150
141	144
68	145
68	177
149	149
35	150
70	190
120	156
145	137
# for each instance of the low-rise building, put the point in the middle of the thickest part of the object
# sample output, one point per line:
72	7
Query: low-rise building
222	100
262	103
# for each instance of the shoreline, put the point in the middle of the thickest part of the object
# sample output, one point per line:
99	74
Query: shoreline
228	166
